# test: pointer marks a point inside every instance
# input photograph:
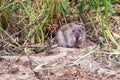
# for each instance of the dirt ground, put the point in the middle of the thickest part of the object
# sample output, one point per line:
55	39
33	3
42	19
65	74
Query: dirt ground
57	64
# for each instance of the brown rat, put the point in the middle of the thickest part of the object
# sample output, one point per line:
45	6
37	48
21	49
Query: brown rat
71	35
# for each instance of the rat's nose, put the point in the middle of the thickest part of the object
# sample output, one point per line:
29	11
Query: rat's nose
77	35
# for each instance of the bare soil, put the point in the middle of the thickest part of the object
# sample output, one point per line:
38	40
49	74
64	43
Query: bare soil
57	64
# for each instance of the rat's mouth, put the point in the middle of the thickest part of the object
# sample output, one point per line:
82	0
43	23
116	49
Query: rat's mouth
77	38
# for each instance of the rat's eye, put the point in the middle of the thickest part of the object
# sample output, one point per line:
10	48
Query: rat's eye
79	30
73	30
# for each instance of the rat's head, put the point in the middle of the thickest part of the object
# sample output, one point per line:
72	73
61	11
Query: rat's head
77	32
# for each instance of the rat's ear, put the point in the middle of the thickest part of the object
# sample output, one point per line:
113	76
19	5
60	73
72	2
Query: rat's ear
70	25
82	26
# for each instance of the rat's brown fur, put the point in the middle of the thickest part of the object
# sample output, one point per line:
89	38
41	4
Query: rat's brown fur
71	35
